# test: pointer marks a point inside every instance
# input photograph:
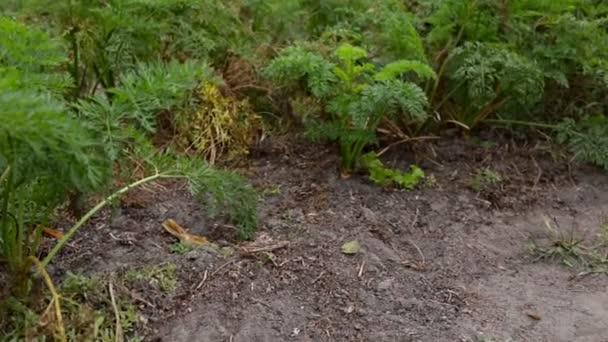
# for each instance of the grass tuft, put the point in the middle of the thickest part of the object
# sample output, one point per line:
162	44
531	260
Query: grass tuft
571	250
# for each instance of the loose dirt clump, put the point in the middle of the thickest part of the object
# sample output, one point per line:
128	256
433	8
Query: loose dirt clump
447	262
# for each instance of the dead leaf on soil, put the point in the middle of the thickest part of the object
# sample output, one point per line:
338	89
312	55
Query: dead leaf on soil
53	233
184	237
351	247
263	243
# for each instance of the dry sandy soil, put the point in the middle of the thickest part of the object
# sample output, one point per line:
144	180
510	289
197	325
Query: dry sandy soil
442	263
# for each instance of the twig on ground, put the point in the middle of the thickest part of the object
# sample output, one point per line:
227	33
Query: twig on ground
318	277
156	245
450	293
570	161
138	298
539	175
415	220
202	282
268	248
258	301
405	141
521	176
434	162
219	268
361	269
422	258
486	202
118	335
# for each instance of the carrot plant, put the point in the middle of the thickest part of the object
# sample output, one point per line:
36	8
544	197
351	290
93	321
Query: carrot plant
538	62
50	148
109	38
357	95
125	120
517	59
44	151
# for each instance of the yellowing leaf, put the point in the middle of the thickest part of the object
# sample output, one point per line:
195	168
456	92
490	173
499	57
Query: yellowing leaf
351	247
184	237
52	233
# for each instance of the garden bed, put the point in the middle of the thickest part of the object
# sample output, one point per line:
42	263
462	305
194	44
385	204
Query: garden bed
442	263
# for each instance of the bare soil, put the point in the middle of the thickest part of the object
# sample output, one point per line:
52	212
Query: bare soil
442	263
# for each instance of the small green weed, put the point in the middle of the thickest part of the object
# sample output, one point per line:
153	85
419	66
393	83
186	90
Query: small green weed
430	181
83	293
271	190
180	248
87	311
78	284
484	179
570	250
487	339
164	276
384	176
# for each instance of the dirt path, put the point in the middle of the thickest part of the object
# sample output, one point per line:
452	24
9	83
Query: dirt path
442	263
